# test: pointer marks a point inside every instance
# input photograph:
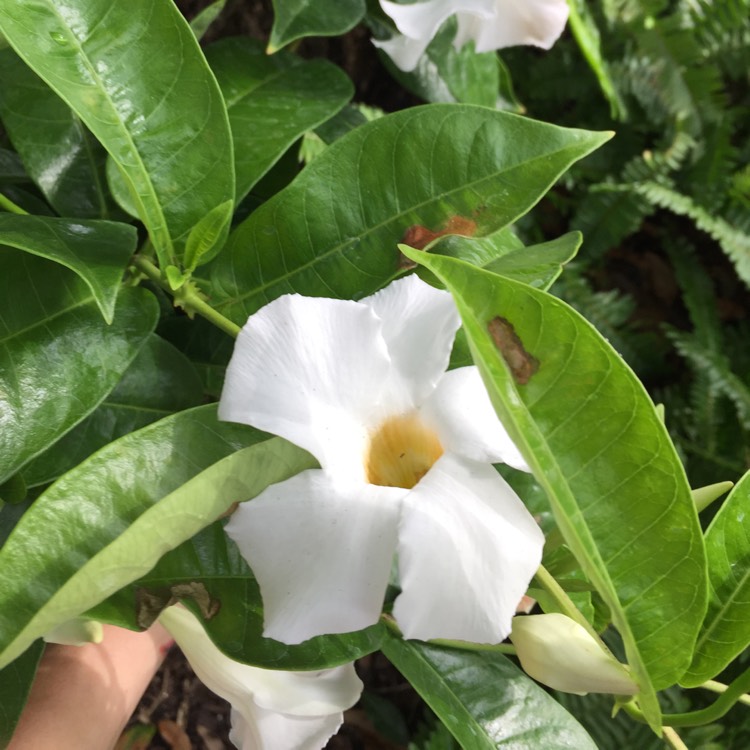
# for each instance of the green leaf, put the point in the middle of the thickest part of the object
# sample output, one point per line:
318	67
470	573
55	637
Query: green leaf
586	34
485	700
725	633
594	441
502	252
439	169
207	234
166	127
108	521
61	155
15	685
159	382
59	359
11	168
98	251
294	19
206	17
214	562
272	101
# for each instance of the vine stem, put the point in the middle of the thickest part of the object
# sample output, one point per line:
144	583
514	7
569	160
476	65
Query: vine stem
673	739
7	204
547	581
187	297
733	693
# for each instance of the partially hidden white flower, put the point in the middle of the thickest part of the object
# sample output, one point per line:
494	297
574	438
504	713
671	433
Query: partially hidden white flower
558	652
491	24
405	450
271	710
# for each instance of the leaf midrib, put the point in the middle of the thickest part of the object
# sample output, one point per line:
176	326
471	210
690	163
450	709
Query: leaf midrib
119	125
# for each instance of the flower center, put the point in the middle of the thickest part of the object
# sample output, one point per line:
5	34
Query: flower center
401	452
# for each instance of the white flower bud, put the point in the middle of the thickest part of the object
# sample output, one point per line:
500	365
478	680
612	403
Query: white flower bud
558	652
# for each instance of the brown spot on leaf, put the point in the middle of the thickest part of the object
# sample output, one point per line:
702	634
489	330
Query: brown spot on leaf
521	364
150	603
419	237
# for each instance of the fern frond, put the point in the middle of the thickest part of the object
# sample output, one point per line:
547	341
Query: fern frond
668	73
735	243
722	29
715	366
698	294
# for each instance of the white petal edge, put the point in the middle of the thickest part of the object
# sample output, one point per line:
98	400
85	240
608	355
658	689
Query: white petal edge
321	553
271	710
468	548
418	24
419	324
273	731
423	19
535	22
461	413
310	370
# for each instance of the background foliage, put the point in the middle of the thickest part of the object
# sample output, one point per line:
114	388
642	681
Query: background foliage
107	386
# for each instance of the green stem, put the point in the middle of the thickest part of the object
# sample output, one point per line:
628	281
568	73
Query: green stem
673	739
558	593
720	687
7	204
734	692
187	297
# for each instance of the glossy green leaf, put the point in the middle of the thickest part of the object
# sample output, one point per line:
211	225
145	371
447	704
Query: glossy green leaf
59	152
98	251
502	252
108	521
444	168
15	684
11	167
272	101
159	382
213	561
485	700
595	443
58	358
294	19
167	128
725	632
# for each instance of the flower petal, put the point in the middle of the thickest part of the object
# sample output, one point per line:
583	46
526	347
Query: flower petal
270	709
535	22
460	411
468	548
310	370
419	325
273	731
418	24
321	553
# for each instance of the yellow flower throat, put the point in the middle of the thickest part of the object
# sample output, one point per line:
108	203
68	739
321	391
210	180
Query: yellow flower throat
401	451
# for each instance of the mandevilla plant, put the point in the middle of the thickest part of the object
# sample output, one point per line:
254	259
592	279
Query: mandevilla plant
301	415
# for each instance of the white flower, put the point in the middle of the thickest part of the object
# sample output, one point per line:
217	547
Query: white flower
491	24
405	450
271	710
558	652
